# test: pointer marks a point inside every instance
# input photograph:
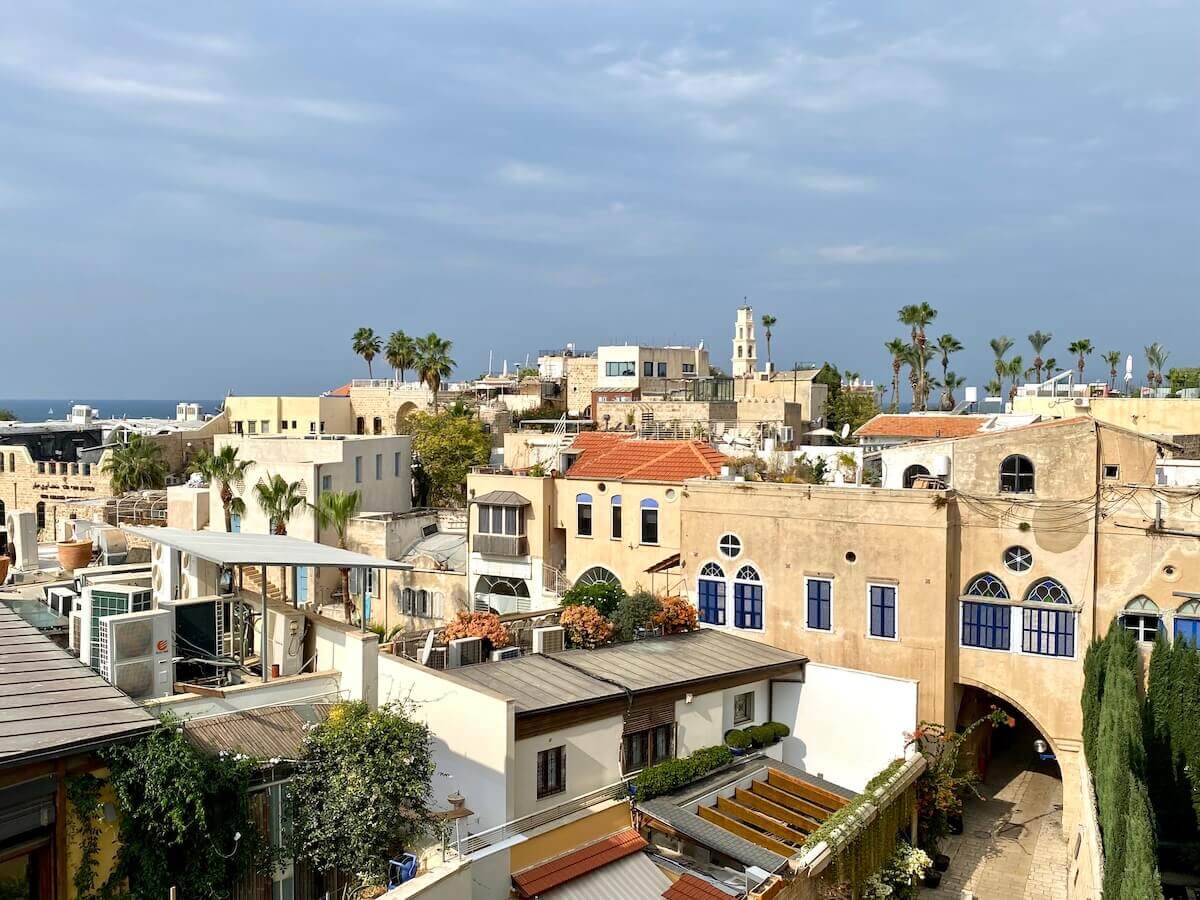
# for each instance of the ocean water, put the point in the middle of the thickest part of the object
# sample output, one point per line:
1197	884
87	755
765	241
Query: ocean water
40	410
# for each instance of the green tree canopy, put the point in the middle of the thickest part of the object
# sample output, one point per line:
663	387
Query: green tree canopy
136	465
361	791
445	447
605	596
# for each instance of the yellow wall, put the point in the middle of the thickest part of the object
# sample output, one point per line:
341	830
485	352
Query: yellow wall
306	412
106	857
1148	415
570	836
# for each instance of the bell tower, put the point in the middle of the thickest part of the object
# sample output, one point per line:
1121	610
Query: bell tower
745	347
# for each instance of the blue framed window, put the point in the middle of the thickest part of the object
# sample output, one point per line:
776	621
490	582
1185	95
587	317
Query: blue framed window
985	625
1187	623
747	599
583	515
820	593
883	611
988	586
710	593
1048	631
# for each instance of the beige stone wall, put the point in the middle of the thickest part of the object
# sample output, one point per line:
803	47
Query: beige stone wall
1149	415
303	415
581	381
388	402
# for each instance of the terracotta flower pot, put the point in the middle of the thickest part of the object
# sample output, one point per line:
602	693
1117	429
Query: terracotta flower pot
74	555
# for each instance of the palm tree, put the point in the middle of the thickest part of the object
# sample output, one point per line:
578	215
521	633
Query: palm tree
136	465
1014	369
950	384
768	322
1113	358
993	388
433	362
1000	346
850	378
917	316
896	348
278	499
1082	348
1156	356
947	344
335	509
1050	365
1039	340
400	353
367	345
225	469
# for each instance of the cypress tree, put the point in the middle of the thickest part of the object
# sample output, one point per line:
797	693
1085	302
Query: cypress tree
1140	880
1093	691
1114	775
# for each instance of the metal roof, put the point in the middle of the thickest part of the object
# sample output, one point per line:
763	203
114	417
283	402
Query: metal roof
635	877
538	682
51	704
502	498
710	835
448	548
245	549
270	732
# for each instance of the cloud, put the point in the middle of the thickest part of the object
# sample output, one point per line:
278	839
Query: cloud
1156	103
866	255
835	183
224	45
523	174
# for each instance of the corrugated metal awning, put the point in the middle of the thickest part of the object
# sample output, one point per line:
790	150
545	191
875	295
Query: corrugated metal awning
502	498
245	549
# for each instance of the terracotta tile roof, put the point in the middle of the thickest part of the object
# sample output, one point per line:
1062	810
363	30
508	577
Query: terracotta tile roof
609	455
922	426
343	391
559	871
689	887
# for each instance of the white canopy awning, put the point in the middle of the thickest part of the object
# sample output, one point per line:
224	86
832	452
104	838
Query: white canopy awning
244	549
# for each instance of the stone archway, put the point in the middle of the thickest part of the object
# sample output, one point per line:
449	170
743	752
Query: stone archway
406	409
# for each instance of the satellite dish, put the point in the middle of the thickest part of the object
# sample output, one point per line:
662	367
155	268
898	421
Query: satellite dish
845	430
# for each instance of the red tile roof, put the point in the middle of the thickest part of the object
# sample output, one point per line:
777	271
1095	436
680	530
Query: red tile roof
343	391
922	426
689	887
617	455
559	871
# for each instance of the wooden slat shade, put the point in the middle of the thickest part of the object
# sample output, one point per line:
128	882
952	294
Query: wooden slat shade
805	790
733	826
645	717
775	811
791	801
759	820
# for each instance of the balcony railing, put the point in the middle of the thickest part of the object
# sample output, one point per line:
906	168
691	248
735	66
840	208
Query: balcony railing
500	544
473	843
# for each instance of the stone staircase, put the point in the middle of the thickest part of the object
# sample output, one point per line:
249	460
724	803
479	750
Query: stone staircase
252	584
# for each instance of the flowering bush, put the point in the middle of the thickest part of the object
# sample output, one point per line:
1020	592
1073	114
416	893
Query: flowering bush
585	626
477	624
676	615
899	875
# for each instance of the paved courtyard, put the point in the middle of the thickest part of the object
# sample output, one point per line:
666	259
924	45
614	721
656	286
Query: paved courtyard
1012	845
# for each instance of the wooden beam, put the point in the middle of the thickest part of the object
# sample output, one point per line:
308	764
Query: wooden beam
733	826
775	811
791	801
805	790
760	820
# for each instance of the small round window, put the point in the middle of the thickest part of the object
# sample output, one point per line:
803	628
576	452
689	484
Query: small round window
670	493
730	545
1018	559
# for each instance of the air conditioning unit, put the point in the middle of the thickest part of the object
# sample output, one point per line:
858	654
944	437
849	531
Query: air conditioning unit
464	652
203	630
164	573
1083	402
436	658
74	638
550	639
114	549
136	653
506	653
61	599
287	627
103	600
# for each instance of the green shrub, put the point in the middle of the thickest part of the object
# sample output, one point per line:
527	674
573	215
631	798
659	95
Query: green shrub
738	739
602	595
762	735
673	774
781	730
634	611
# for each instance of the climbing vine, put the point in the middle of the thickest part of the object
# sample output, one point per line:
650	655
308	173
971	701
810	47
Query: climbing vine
83	793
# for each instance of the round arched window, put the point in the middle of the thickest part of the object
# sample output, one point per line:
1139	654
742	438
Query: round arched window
988	586
1018	559
730	545
597	575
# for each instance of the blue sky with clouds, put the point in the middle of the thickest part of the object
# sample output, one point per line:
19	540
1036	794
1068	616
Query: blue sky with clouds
203	197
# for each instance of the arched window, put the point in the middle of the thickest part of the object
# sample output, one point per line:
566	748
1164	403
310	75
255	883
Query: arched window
747	598
913	472
649	521
407	604
598	575
583	515
1016	475
710	594
1047	631
988	586
1142	618
616	517
41	515
1187	623
422	602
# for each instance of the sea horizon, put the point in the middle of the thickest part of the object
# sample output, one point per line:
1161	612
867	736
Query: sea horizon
41	409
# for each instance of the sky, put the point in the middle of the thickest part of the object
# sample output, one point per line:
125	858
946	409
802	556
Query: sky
204	198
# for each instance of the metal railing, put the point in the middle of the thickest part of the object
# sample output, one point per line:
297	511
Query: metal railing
473	843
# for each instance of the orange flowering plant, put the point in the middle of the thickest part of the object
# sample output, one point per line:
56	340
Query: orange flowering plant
675	615
585	626
478	624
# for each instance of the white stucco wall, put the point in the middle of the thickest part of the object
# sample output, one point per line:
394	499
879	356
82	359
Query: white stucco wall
473	745
593	761
846	724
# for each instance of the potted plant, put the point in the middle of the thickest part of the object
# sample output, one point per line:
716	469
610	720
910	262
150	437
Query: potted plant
738	741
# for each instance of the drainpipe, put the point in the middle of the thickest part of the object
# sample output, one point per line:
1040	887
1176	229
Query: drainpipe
264	652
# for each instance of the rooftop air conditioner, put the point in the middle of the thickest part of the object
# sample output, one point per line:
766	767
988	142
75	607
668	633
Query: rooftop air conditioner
103	600
76	630
464	652
287	627
137	653
61	599
1083	402
506	653
436	658
164	573
551	639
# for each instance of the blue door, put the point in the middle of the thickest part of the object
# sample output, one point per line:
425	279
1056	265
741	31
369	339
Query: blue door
235	523
302	584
